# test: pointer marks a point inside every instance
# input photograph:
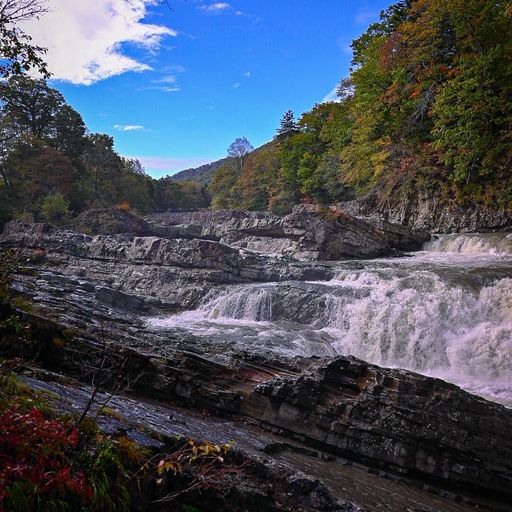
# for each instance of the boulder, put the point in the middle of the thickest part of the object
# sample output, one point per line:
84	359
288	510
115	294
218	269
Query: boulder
111	221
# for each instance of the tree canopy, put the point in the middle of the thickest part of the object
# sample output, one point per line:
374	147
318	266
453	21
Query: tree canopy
427	107
52	168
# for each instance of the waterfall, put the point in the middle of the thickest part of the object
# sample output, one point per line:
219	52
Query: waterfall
424	323
252	304
434	312
475	243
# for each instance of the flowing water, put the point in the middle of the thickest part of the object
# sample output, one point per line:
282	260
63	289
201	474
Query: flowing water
445	311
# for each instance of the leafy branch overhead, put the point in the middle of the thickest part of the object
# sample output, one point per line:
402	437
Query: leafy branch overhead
18	54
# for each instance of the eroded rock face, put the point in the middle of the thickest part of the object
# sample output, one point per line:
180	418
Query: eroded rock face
430	213
146	273
395	421
419	424
308	233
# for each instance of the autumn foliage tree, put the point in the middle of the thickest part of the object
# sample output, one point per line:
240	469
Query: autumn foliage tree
426	109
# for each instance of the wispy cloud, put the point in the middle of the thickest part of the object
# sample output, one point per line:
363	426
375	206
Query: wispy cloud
331	96
366	16
236	85
169	79
129	127
247	74
216	8
84	39
163	88
176	68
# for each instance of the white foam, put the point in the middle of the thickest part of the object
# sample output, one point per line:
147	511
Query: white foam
429	315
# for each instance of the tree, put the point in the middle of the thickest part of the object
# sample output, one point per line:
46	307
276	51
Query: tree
104	165
288	125
224	187
70	132
238	151
17	54
259	177
31	105
8	138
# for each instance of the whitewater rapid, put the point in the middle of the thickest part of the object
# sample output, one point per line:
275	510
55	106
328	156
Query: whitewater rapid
445	311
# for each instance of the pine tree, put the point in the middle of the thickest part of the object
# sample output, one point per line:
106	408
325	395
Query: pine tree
288	125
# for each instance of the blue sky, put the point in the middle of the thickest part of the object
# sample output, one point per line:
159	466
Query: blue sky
176	87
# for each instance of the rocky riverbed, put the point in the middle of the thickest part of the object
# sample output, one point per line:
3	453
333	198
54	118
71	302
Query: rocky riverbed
377	438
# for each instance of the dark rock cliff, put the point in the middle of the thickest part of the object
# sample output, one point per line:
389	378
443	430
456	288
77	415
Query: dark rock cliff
430	213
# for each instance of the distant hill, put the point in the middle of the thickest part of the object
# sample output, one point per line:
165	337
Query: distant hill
202	175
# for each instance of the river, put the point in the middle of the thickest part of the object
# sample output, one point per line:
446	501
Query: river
445	311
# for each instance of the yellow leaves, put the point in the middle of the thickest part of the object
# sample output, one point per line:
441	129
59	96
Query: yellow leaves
193	454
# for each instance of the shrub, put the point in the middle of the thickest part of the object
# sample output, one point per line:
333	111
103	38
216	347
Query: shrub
35	468
55	208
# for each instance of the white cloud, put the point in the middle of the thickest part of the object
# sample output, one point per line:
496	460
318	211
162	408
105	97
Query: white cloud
129	127
169	79
236	85
331	96
177	68
215	8
247	74
163	88
84	38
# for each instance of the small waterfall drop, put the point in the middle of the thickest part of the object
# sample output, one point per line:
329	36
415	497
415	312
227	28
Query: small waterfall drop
476	243
446	311
251	304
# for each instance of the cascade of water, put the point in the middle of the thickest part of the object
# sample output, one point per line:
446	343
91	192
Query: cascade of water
428	325
441	317
475	243
253	304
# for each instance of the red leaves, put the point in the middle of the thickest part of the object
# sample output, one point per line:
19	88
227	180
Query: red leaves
34	453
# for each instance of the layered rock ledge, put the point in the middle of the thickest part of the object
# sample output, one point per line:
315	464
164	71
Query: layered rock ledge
319	416
309	232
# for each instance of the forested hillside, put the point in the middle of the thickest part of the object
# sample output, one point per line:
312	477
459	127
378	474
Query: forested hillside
52	168
202	175
427	108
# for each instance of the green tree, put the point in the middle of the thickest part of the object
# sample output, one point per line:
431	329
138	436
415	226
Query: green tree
104	166
70	132
31	105
288	125
238	151
224	186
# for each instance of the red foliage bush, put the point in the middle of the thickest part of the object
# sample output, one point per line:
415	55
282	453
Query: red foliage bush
35	457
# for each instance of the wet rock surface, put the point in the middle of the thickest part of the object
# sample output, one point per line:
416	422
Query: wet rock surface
423	426
316	417
289	476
